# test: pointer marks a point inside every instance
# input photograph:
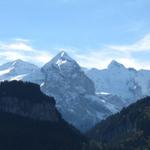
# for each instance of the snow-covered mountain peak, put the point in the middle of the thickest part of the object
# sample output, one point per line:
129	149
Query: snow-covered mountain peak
16	70
65	80
62	62
17	63
115	64
63	54
61	58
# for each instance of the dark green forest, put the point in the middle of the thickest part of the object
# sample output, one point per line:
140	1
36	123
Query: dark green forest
126	130
23	133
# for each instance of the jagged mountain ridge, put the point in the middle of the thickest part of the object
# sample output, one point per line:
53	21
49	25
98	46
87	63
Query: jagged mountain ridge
74	92
63	75
114	100
16	70
127	83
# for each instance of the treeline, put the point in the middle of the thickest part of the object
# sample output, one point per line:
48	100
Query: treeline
18	132
23	90
127	130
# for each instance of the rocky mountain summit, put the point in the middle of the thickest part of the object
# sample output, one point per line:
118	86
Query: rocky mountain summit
74	92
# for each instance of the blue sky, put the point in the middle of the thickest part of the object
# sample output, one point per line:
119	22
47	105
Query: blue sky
92	31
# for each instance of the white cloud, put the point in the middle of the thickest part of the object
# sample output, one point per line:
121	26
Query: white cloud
99	58
22	40
22	49
102	58
140	45
42	57
18	45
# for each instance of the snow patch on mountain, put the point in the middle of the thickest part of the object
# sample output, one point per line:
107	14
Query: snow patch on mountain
16	70
6	71
18	77
126	83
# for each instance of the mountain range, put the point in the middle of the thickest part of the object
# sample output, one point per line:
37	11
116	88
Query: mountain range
16	70
127	83
83	96
74	92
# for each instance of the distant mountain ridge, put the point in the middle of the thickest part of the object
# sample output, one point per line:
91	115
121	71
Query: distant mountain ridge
16	70
83	96
74	92
127	83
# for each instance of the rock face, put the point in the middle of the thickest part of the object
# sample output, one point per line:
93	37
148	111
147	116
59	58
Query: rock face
127	83
74	92
113	100
64	69
16	70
